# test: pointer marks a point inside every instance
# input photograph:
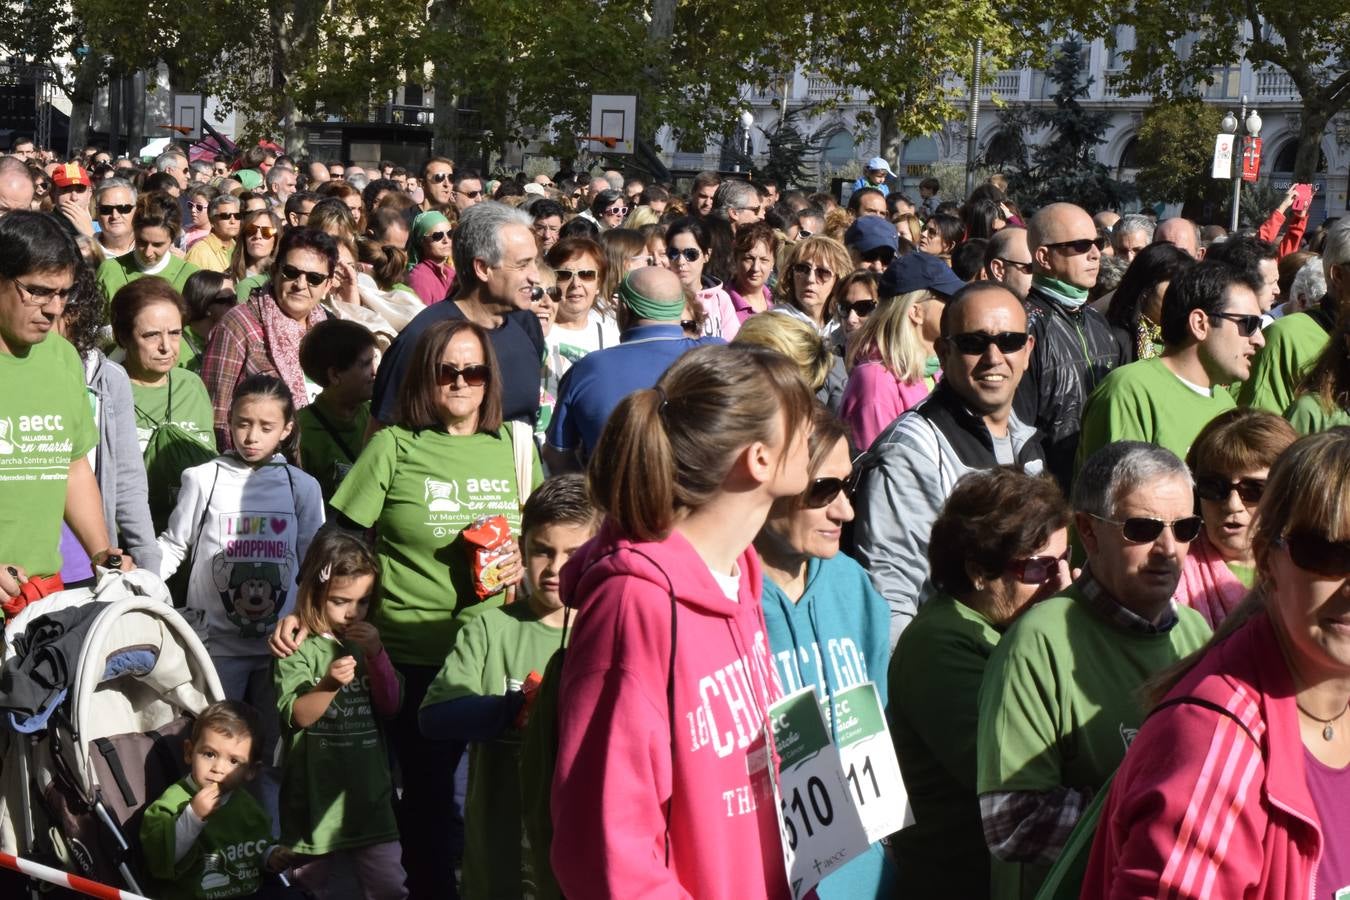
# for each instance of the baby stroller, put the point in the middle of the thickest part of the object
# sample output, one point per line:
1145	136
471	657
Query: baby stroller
98	689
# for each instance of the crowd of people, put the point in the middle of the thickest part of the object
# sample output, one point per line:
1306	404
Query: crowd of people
1069	487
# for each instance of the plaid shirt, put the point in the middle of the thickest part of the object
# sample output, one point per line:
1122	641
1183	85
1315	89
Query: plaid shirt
1033	826
236	349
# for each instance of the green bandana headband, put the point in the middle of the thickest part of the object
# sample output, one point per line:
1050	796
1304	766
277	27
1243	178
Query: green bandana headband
422	226
647	308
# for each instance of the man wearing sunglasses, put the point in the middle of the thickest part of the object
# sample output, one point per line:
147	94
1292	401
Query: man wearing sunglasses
872	241
1074	345
1061	697
467	190
1211	329
738	202
967	423
1007	260
213	251
437	175
114	203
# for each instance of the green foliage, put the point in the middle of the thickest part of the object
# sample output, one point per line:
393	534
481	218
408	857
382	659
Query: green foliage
1064	166
1176	149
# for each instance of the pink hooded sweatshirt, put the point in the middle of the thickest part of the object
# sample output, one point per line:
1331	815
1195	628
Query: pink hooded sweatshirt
616	769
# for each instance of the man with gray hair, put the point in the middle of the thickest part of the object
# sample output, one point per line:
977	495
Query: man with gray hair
280	185
200	171
114	203
213	251
497	285
1060	702
1182	233
16	185
1295	341
1132	233
738	202
1307	288
175	164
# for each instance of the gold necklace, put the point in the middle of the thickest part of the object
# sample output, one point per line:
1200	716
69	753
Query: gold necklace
1327	731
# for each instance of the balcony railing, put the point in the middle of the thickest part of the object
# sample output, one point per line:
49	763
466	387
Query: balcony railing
820	88
1007	85
1275	84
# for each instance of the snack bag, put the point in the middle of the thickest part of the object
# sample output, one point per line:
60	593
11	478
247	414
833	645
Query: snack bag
486	539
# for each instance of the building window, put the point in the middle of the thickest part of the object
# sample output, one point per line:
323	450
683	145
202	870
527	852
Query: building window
838	151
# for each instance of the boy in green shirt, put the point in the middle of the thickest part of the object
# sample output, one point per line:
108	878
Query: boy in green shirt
204	838
339	356
484	690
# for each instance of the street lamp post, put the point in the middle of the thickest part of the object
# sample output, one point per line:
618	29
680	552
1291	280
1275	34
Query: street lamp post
747	122
1252	121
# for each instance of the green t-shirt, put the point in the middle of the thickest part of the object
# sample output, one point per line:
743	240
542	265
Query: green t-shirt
191	407
1145	401
1059	704
248	285
420	490
190	350
1307	415
327	454
225	861
1245	574
493	654
45	425
116	273
935	677
336	793
1293	343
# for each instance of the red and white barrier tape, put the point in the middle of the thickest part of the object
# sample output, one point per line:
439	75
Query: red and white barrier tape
65	879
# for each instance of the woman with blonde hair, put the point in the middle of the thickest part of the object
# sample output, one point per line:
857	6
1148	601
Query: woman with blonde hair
810	280
891	366
793	337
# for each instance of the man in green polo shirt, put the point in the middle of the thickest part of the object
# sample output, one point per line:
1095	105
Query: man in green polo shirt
46	423
1211	329
1060	701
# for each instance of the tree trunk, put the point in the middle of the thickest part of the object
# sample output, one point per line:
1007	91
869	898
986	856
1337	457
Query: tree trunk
660	30
892	141
84	88
134	111
1311	129
445	102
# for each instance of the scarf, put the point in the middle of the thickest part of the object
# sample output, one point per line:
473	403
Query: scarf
651	308
1061	291
423	225
1207	585
283	335
1147	338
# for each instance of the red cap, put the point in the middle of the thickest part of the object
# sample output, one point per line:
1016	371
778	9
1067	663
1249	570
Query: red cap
70	174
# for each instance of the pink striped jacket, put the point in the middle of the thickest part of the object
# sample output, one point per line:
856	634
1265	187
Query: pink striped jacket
1213	806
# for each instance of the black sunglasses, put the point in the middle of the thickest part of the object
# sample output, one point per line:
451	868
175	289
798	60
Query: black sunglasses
976	343
440	177
883	255
689	254
437	236
1314	553
863	308
1036	569
474	376
822	491
228	217
107	209
291	273
538	292
1144	530
1217	490
1023	267
690	326
1080	246
1246	324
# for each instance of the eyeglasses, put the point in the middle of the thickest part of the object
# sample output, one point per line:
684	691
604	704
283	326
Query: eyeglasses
107	209
1314	553
1078	247
38	295
584	275
689	254
227	217
976	343
822	491
474	376
437	236
440	177
883	255
472	195
199	207
861	308
617	211
1143	530
1023	267
1036	569
1246	324
1217	489
806	269
266	231
291	273
226	296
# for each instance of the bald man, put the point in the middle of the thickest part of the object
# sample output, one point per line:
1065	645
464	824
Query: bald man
652	307
16	185
1183	233
1074	345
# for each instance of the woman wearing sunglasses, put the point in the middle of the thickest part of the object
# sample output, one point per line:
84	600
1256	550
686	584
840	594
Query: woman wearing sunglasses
609	209
431	274
828	628
156	227
1230	461
940	234
578	326
1235	785
999	546
689	248
810	281
262	334
255	250
447	461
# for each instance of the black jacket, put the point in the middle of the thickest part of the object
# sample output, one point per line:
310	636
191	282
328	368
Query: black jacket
1075	348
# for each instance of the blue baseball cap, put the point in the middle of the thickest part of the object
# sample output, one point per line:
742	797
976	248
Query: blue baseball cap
869	233
918	271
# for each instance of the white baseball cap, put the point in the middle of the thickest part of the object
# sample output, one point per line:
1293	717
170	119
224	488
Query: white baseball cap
879	164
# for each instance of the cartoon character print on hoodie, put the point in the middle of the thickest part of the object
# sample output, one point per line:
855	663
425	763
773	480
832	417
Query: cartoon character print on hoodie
619	753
